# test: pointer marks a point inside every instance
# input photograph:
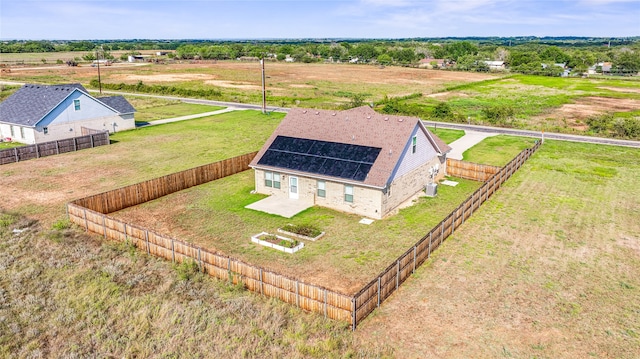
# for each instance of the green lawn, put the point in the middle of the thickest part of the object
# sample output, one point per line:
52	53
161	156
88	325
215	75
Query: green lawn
497	150
4	145
213	215
447	135
554	256
172	110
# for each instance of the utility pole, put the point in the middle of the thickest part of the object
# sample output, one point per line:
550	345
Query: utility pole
98	60
264	92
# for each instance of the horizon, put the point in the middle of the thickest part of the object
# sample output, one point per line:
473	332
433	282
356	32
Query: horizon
57	20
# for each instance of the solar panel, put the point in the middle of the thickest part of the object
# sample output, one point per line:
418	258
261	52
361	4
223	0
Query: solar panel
332	159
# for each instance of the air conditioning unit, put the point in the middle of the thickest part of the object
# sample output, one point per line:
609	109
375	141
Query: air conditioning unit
431	189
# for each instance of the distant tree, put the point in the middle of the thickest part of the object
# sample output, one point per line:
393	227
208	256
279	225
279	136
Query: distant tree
384	59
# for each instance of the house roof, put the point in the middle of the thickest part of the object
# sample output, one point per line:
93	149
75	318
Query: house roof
28	105
361	126
117	103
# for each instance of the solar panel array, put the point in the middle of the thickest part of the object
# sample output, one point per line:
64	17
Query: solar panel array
333	159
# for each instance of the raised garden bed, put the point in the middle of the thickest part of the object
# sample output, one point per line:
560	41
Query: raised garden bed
302	232
280	243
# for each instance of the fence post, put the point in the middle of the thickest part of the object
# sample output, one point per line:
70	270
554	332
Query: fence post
57	148
325	302
37	151
126	238
86	223
202	267
229	269
91	137
261	283
430	236
15	153
173	253
75	144
414	259
471	212
297	295
379	280
453	221
398	275
104	226
146	237
353	314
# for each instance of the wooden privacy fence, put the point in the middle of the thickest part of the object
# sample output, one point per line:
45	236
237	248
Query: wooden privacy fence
389	280
17	154
133	195
92	212
470	170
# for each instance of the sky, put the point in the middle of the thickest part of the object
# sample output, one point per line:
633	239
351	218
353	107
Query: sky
266	19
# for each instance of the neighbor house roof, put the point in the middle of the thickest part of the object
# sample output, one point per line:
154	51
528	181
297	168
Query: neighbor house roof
28	105
360	126
117	103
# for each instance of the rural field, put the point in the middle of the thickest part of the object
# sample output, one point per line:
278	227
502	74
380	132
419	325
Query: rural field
549	267
603	106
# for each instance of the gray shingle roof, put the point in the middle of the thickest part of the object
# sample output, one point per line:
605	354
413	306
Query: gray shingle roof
30	103
117	103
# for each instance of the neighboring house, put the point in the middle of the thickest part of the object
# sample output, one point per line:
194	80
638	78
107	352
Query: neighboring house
355	161
41	113
495	65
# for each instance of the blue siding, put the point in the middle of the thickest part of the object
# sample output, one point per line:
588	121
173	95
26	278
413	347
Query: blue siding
410	161
65	111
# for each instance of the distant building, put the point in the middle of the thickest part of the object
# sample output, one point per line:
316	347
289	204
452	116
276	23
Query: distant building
495	65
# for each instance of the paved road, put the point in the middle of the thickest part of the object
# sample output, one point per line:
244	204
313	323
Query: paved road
534	134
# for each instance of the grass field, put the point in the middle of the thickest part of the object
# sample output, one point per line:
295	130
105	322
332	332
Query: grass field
497	150
172	110
548	268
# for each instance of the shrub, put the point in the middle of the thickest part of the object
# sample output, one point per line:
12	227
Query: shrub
61	224
442	110
498	113
187	269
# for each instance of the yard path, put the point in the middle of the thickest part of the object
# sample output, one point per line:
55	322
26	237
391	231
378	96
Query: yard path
470	139
190	117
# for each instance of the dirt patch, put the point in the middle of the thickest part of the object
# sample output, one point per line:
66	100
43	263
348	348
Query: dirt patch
155	78
446	95
590	106
620	89
232	84
574	114
631	243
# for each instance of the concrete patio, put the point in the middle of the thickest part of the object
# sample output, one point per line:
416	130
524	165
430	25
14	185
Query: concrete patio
280	206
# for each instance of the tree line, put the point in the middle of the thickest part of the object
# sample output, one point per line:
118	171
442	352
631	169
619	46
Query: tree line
520	54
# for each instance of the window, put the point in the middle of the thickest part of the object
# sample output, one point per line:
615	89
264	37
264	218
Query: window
22	132
272	179
322	191
13	132
348	193
414	144
76	105
45	130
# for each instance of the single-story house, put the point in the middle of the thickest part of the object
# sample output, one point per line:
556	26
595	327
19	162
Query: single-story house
495	65
356	161
41	113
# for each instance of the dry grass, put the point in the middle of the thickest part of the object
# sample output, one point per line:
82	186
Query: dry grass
66	294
